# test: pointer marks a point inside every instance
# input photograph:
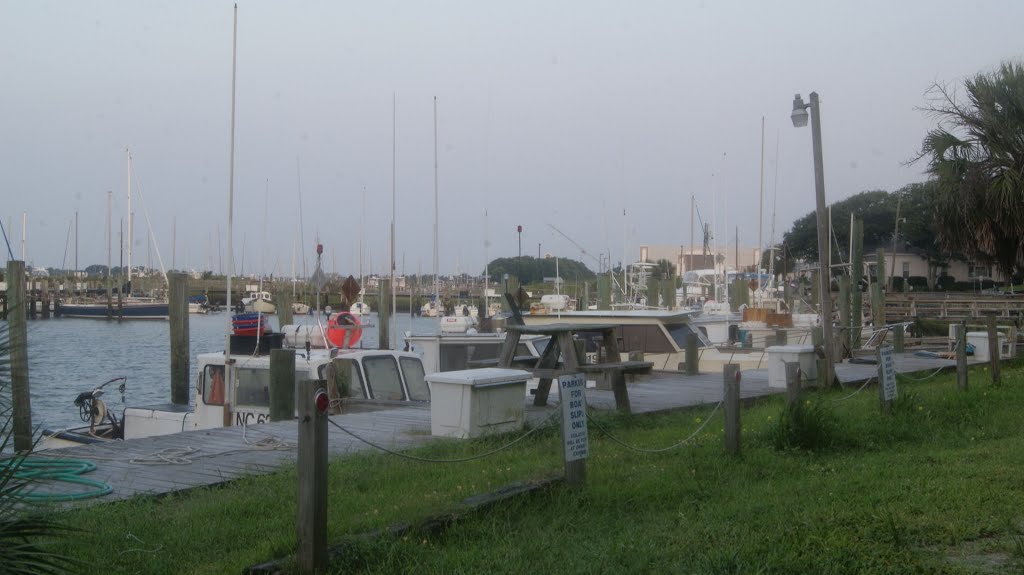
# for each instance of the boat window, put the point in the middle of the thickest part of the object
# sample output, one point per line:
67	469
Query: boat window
679	333
382	378
355	383
458	356
647	338
412	368
540	344
252	386
212	382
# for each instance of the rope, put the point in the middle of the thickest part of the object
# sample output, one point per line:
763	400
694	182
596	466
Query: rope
459	460
66	470
925	378
861	388
661	450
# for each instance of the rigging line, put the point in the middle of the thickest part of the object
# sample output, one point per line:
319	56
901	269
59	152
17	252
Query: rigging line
149	225
10	254
542	425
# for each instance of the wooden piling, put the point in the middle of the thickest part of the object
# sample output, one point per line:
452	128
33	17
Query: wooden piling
341	382
781	337
17	325
311	516
384	315
817	340
897	338
668	293
46	299
793	384
31	298
856	274
604	291
731	400
960	333
282	384
284	309
993	349
653	291
177	308
692	358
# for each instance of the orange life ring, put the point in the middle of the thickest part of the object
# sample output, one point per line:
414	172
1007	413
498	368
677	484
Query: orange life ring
344	330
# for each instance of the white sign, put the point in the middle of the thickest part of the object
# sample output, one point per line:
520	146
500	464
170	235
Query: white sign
571	393
887	373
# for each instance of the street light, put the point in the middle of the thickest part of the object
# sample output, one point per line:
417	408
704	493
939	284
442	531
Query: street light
799	117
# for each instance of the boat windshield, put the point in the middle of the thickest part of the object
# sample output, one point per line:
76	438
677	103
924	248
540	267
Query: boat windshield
679	333
415	379
382	378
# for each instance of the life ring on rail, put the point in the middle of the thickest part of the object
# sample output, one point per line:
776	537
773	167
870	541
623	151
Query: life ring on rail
344	330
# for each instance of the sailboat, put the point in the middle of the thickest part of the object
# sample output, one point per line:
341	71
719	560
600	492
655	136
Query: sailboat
361	308
130	306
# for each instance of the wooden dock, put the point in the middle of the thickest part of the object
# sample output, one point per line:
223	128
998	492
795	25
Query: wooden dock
182	461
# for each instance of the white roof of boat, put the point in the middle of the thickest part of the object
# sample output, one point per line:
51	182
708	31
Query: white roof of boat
638	313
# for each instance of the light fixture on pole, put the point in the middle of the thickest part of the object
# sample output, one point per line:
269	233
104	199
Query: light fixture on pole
800	117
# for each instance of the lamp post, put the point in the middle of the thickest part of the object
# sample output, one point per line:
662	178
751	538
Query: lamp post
519	277
799	117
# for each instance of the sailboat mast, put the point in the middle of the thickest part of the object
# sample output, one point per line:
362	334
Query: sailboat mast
436	288
394	171
130	229
231	187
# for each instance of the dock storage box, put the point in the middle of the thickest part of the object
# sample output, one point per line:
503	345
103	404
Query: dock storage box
780	355
475	402
979	339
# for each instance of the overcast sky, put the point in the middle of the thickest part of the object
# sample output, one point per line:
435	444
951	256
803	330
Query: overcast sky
551	114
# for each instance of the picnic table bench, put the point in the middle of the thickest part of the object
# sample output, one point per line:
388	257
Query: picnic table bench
560	357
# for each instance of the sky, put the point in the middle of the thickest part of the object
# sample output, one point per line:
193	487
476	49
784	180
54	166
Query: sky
589	123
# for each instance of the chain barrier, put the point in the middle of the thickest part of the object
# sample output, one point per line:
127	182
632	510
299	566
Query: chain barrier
543	424
609	435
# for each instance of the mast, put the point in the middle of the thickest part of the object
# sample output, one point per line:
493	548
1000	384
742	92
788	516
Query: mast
394	171
487	266
436	288
110	310
231	190
131	236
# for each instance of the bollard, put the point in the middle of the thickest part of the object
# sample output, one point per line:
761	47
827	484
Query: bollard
731	399
311	515
692	358
282	384
960	333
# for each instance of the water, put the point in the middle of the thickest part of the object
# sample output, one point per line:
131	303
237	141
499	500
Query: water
69	356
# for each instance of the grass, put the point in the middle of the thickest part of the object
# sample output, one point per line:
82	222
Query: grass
937	487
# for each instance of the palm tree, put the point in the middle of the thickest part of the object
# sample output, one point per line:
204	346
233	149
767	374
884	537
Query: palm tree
976	156
22	528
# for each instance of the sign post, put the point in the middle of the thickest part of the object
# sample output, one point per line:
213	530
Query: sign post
886	378
572	396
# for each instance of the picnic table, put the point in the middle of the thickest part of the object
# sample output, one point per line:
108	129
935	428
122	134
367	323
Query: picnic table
560	357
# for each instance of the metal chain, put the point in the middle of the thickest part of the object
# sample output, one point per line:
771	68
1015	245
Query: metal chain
459	460
663	449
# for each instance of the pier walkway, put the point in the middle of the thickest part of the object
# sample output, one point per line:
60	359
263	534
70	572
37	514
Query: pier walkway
182	461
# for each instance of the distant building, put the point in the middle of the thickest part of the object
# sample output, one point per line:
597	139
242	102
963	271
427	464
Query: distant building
685	259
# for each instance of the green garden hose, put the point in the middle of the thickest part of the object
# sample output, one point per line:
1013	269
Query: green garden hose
67	470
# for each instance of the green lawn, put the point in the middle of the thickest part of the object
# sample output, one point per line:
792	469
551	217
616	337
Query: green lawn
938	487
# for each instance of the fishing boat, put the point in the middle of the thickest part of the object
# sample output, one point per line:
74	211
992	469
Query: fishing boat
259	301
360	308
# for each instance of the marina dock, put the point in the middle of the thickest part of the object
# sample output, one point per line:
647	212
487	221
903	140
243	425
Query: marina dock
182	461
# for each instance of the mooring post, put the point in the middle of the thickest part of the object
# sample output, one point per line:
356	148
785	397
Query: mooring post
284	309
818	340
993	348
692	358
31	298
282	384
960	333
731	398
781	337
17	325
384	314
897	338
311	463
177	308
46	299
340	382
856	273
792	384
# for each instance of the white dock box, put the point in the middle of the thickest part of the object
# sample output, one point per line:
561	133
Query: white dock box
474	402
979	339
780	355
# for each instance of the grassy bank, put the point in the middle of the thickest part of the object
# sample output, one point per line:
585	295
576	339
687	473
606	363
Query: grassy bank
935	488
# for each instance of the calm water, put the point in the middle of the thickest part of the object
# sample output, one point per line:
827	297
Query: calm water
69	356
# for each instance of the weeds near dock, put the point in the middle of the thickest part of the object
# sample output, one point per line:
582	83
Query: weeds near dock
807	425
22	531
